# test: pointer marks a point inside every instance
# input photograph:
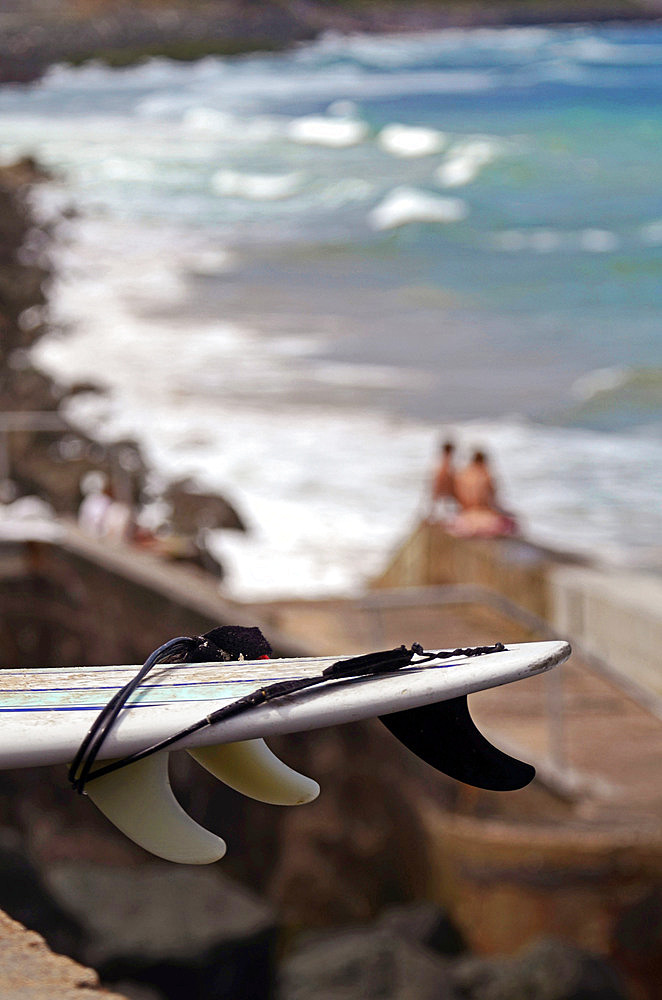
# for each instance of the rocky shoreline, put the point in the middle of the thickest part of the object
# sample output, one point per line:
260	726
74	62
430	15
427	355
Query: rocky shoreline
43	455
34	34
167	934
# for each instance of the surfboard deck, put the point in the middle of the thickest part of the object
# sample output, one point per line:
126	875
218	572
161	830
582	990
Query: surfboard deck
46	712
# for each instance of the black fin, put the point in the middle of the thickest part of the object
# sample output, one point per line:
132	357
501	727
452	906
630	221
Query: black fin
445	736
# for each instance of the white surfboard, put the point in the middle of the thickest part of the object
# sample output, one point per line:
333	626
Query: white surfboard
45	713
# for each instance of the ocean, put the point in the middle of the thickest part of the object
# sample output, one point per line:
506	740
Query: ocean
296	273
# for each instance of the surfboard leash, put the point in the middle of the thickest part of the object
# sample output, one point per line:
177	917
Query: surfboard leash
205	649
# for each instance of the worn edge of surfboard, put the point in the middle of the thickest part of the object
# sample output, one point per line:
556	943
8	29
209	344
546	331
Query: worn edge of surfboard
30	736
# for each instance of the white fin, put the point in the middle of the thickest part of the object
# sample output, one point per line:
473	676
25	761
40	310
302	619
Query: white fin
251	768
138	799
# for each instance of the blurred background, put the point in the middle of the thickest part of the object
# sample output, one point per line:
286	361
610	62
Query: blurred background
257	261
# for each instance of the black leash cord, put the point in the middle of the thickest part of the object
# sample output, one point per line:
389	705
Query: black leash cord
79	771
367	665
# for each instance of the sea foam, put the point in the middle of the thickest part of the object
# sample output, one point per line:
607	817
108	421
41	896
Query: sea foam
464	162
405	205
256	187
317	130
409	140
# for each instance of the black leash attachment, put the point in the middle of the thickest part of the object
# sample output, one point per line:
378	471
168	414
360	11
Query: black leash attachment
225	643
419	733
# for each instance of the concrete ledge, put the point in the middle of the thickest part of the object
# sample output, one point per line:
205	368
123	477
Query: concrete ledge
512	567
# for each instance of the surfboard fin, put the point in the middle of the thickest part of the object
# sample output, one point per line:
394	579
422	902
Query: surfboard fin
445	736
138	799
251	768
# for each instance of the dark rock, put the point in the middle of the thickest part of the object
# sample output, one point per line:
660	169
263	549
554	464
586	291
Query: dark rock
136	991
636	943
364	965
84	387
424	923
183	932
547	970
194	510
26	171
25	897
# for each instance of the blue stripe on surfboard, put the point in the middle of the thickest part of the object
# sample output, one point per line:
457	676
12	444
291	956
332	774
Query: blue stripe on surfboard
95	708
116	687
88	708
227	691
167	694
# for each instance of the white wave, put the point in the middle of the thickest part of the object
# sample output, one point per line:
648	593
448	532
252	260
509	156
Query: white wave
241	130
374	376
343	109
202	119
598	241
397	51
210	262
345	191
123	169
652	232
510	240
465	160
405	205
457	171
411	140
590	48
598	381
256	187
545	241
541	240
317	130
513	39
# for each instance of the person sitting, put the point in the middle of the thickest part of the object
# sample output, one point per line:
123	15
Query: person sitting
480	513
100	513
443	483
95	503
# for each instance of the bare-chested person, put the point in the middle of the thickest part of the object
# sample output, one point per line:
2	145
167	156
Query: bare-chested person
474	486
480	513
443	483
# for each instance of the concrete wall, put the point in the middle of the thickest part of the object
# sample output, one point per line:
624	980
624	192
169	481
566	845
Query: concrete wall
614	616
611	615
76	600
511	567
508	884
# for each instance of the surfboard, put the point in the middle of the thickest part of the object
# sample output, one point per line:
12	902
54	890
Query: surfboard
46	712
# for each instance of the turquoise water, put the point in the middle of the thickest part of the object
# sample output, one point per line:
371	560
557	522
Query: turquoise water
495	273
